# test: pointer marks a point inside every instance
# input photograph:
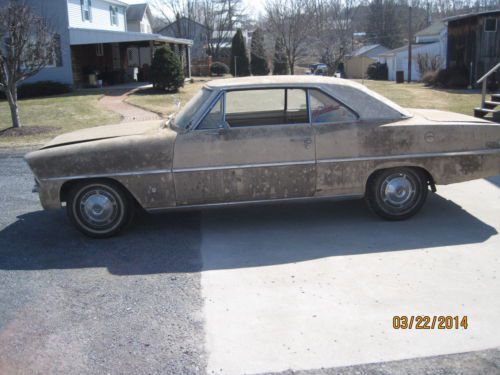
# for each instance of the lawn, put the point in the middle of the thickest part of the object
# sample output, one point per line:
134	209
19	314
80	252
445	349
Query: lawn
163	103
416	95
63	113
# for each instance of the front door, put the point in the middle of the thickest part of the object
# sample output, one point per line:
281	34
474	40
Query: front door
253	145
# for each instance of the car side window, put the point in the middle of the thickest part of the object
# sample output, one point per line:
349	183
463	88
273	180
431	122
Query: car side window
213	119
266	107
326	109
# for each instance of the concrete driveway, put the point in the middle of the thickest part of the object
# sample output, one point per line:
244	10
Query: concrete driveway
256	290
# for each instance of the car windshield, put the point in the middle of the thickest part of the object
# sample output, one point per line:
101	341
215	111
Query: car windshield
183	118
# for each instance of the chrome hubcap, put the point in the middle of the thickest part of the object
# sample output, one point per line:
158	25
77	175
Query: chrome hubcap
98	207
398	190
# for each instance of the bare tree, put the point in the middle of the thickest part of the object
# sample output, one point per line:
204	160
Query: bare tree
290	21
221	18
27	45
170	11
332	30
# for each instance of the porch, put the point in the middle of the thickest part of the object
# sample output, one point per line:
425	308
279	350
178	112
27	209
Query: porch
108	58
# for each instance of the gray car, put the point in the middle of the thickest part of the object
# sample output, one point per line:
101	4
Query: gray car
264	139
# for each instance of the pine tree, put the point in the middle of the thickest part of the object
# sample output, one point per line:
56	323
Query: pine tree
258	62
280	61
239	56
166	70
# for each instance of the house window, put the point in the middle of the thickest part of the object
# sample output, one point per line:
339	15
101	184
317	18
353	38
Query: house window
490	25
86	10
55	58
99	49
113	10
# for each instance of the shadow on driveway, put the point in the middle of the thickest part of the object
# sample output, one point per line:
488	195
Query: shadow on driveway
235	238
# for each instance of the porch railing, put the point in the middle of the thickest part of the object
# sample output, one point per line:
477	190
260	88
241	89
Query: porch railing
484	80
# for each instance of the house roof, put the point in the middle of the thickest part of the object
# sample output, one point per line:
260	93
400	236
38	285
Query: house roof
401	49
365	49
469	15
79	36
183	19
135	12
434	29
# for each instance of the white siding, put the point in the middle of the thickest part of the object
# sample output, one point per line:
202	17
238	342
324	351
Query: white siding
101	16
141	27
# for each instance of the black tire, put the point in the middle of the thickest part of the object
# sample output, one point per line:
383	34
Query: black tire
99	209
397	193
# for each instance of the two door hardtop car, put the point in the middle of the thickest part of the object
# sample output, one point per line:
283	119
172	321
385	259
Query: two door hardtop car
264	139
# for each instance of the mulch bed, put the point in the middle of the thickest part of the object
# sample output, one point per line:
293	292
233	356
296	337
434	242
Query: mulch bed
27	130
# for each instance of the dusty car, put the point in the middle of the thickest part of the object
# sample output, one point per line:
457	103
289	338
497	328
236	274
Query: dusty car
264	139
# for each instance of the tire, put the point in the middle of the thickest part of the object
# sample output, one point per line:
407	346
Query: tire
99	209
397	193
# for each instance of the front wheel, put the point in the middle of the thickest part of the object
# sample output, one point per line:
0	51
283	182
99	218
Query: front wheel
99	209
397	193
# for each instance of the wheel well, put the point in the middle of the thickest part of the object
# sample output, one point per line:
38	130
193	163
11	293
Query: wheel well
425	172
68	185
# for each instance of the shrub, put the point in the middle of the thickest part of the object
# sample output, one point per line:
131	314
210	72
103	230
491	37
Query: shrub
429	78
239	52
377	71
40	88
258	60
280	61
454	77
219	68
166	70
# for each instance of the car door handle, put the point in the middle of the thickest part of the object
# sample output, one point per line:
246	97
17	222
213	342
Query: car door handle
306	141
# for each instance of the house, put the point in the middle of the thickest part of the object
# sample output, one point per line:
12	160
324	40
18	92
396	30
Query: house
430	45
189	29
474	42
357	63
97	42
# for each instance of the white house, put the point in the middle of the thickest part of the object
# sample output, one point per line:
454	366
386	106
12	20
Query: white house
430	42
108	40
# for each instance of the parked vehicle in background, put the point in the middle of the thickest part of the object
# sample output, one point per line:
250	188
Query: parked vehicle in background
259	140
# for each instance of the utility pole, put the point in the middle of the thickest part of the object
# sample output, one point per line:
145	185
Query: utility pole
409	41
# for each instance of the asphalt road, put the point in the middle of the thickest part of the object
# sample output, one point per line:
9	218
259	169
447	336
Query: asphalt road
307	289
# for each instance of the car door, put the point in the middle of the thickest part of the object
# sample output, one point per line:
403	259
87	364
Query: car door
252	145
337	146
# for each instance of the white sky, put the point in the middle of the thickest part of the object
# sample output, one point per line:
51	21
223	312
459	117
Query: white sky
253	6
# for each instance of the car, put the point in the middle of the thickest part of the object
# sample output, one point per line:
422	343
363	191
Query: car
262	140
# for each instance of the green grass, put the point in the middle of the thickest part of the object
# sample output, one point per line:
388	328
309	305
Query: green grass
416	95
164	103
67	112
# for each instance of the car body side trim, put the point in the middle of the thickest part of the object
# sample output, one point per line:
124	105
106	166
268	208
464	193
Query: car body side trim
102	175
410	156
244	166
256	202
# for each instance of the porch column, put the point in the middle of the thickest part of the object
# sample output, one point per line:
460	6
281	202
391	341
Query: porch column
188	60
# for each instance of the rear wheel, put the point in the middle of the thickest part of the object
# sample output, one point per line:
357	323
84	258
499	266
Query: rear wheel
397	193
99	209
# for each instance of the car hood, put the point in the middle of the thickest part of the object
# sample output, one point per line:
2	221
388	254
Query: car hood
104	132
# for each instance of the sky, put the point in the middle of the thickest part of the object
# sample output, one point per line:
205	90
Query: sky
253	6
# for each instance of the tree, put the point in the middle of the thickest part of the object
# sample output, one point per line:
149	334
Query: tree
290	21
166	70
239	57
258	60
384	25
27	45
280	61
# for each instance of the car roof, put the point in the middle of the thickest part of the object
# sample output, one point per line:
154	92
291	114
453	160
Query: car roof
368	104
302	80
